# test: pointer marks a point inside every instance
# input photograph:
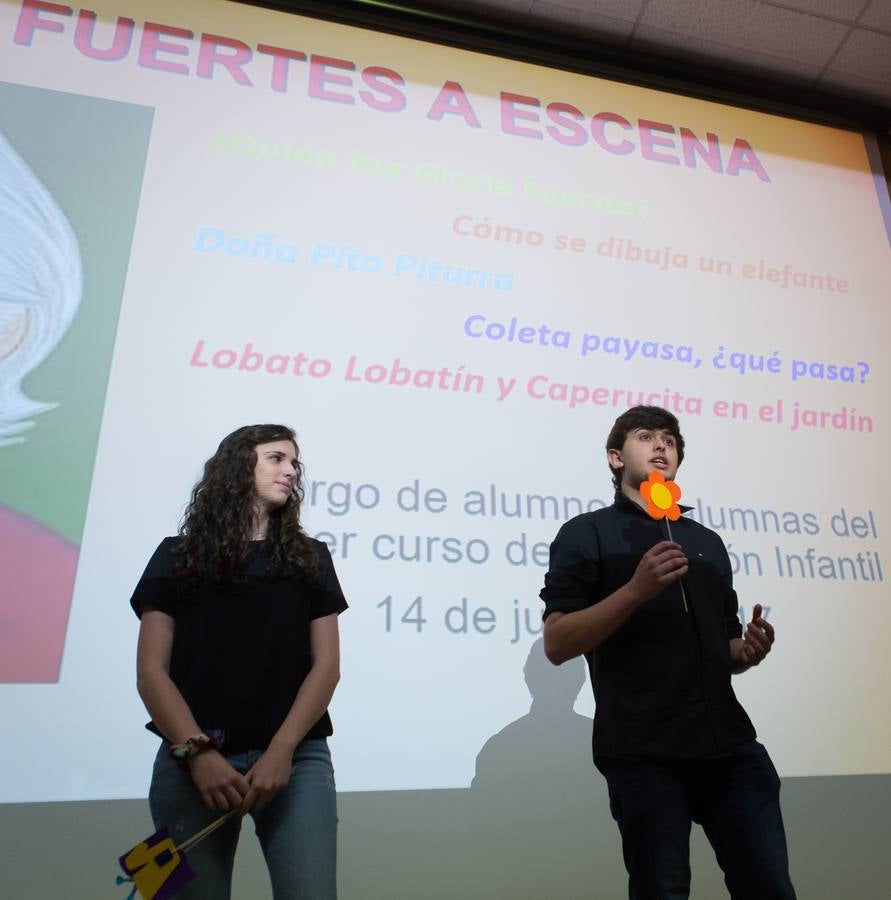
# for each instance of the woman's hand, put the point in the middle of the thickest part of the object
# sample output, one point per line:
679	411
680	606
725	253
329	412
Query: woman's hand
221	787
269	774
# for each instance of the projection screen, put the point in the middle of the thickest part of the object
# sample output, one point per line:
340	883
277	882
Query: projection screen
449	272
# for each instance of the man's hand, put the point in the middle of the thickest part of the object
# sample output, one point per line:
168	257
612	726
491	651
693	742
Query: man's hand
269	774
659	567
755	643
221	787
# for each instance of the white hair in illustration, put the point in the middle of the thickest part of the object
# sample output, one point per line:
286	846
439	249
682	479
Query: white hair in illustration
41	283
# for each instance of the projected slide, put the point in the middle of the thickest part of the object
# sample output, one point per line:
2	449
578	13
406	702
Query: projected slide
450	273
58	315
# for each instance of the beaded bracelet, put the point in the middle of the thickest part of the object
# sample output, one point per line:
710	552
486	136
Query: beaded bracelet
190	746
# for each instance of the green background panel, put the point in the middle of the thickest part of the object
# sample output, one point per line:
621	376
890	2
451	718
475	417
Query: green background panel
90	155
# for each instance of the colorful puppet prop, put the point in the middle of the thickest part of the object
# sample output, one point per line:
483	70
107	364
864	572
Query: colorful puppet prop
158	868
662	503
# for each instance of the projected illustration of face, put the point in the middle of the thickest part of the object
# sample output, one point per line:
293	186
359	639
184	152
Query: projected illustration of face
275	472
40	286
40	291
643	451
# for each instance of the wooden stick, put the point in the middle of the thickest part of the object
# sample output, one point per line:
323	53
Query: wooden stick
209	829
680	581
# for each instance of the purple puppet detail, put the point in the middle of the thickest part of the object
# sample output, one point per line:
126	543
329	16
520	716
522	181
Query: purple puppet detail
157	867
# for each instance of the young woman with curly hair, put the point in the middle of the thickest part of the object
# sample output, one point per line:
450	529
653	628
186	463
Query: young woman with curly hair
237	662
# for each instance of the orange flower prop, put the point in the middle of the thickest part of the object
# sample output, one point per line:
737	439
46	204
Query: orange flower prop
662	496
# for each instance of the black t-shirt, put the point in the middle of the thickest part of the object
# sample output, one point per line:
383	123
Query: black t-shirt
241	649
662	678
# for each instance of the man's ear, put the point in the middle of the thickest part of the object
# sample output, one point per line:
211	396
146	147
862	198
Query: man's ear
614	458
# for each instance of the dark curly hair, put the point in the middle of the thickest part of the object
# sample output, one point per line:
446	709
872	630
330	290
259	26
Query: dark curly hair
651	417
217	526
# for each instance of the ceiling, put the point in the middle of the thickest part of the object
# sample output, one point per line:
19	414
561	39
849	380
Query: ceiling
839	47
831	56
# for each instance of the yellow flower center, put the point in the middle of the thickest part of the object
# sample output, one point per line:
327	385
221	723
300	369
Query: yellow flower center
661	496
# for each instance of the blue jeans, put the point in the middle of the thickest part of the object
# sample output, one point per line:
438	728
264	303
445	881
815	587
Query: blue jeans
735	799
297	829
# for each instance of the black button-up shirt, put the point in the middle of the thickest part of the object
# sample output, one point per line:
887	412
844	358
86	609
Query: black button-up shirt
662	679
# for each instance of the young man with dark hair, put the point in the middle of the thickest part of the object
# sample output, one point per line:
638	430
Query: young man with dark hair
670	736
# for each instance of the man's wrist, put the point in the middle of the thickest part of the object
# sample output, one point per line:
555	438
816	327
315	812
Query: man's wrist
634	595
739	660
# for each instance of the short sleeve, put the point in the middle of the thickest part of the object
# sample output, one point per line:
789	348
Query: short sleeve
571	582
327	598
157	588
